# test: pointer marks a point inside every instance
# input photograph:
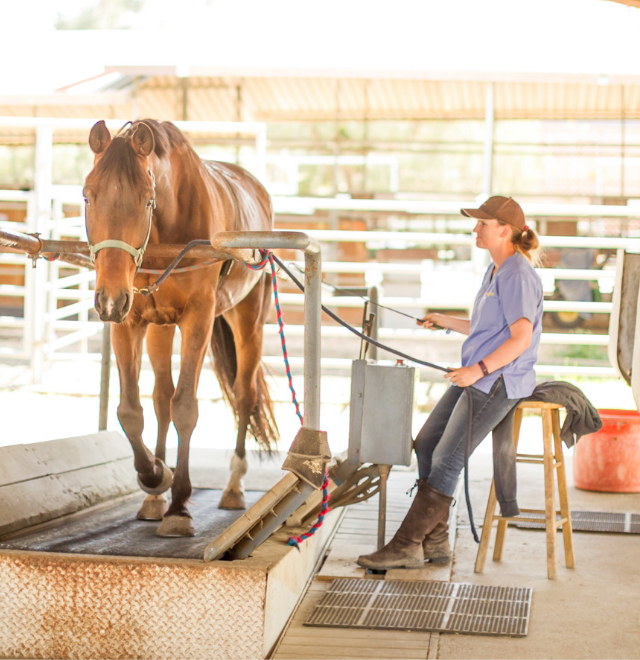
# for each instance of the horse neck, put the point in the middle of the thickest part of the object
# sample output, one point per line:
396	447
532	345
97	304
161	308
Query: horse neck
187	209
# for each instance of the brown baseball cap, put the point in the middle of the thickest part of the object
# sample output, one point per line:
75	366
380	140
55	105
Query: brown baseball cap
501	208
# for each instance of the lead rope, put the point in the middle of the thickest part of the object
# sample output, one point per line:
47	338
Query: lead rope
268	258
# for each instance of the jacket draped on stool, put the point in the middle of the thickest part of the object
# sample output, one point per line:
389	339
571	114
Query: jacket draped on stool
582	418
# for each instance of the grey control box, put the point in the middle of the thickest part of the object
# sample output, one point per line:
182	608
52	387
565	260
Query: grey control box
382	400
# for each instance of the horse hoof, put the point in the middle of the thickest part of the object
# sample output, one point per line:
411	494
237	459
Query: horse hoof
165	484
232	500
153	508
172	526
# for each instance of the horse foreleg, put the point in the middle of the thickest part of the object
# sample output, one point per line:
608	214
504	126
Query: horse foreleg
153	475
159	348
196	332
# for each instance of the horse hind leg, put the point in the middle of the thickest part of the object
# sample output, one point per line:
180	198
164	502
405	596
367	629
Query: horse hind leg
243	320
233	495
159	348
246	398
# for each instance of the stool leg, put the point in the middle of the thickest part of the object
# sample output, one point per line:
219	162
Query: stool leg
485	538
504	522
563	496
549	497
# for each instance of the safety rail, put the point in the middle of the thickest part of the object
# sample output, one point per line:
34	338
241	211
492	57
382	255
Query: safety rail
67	319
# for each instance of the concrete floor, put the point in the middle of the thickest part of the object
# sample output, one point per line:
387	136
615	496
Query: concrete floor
591	611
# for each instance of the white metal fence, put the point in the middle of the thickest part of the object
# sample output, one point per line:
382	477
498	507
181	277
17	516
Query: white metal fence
57	322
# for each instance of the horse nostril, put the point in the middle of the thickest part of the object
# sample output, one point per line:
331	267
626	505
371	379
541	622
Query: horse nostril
96	301
125	308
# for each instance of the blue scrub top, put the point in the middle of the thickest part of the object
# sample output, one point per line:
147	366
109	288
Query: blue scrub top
515	292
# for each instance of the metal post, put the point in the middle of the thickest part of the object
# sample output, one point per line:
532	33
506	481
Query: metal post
373	297
295	240
382	504
489	120
261	153
309	452
105	376
623	138
312	338
38	279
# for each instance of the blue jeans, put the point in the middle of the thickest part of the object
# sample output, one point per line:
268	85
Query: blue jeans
441	444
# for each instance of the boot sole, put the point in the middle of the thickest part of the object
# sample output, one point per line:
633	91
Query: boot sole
437	560
388	567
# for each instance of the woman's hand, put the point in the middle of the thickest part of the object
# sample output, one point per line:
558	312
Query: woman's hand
465	376
433	321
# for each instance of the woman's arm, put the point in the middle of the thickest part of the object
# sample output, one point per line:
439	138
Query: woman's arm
462	326
515	346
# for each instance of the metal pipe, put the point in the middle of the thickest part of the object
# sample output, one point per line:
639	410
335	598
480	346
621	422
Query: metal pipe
19	241
382	504
105	376
312	310
34	245
373	332
489	121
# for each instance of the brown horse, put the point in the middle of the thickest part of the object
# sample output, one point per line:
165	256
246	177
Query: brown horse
148	185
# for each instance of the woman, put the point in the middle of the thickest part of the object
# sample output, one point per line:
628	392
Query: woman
497	364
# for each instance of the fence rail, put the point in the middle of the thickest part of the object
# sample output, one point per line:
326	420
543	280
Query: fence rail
57	308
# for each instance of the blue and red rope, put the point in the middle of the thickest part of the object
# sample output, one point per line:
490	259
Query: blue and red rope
267	257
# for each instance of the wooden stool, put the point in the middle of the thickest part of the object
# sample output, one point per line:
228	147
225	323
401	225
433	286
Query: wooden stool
551	458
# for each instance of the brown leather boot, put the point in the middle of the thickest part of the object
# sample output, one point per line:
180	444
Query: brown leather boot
435	547
429	507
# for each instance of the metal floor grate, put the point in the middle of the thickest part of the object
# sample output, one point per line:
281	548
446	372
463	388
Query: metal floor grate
591	521
426	606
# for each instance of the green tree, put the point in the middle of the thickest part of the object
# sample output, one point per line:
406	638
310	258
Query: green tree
103	15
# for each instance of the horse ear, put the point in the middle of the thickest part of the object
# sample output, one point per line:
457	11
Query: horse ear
99	138
142	140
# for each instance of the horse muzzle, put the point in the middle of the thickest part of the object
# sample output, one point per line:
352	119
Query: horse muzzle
113	307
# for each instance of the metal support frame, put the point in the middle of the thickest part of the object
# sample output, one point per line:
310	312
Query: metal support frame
273	508
294	240
382	504
105	376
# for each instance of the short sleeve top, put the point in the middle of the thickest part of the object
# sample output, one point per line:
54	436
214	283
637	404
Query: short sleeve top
513	293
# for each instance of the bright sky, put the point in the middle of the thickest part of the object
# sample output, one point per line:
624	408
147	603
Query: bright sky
590	36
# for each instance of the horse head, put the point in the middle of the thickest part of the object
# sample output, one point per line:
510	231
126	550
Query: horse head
119	196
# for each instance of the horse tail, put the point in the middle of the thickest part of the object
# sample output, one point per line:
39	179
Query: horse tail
262	421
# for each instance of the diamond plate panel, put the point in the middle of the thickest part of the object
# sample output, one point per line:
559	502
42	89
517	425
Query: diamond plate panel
57	606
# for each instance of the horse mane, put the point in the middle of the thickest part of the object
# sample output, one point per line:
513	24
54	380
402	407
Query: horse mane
120	159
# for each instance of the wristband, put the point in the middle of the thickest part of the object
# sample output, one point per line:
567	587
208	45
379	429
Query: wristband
483	366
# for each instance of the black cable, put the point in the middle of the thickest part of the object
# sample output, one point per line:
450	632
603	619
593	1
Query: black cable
467	452
368	299
152	288
336	318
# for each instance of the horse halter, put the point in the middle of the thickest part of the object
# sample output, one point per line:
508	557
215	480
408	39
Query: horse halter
136	253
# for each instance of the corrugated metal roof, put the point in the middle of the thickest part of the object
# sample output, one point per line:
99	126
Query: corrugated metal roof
272	99
324	99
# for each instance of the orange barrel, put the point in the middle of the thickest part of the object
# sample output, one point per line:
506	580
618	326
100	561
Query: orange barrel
609	460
